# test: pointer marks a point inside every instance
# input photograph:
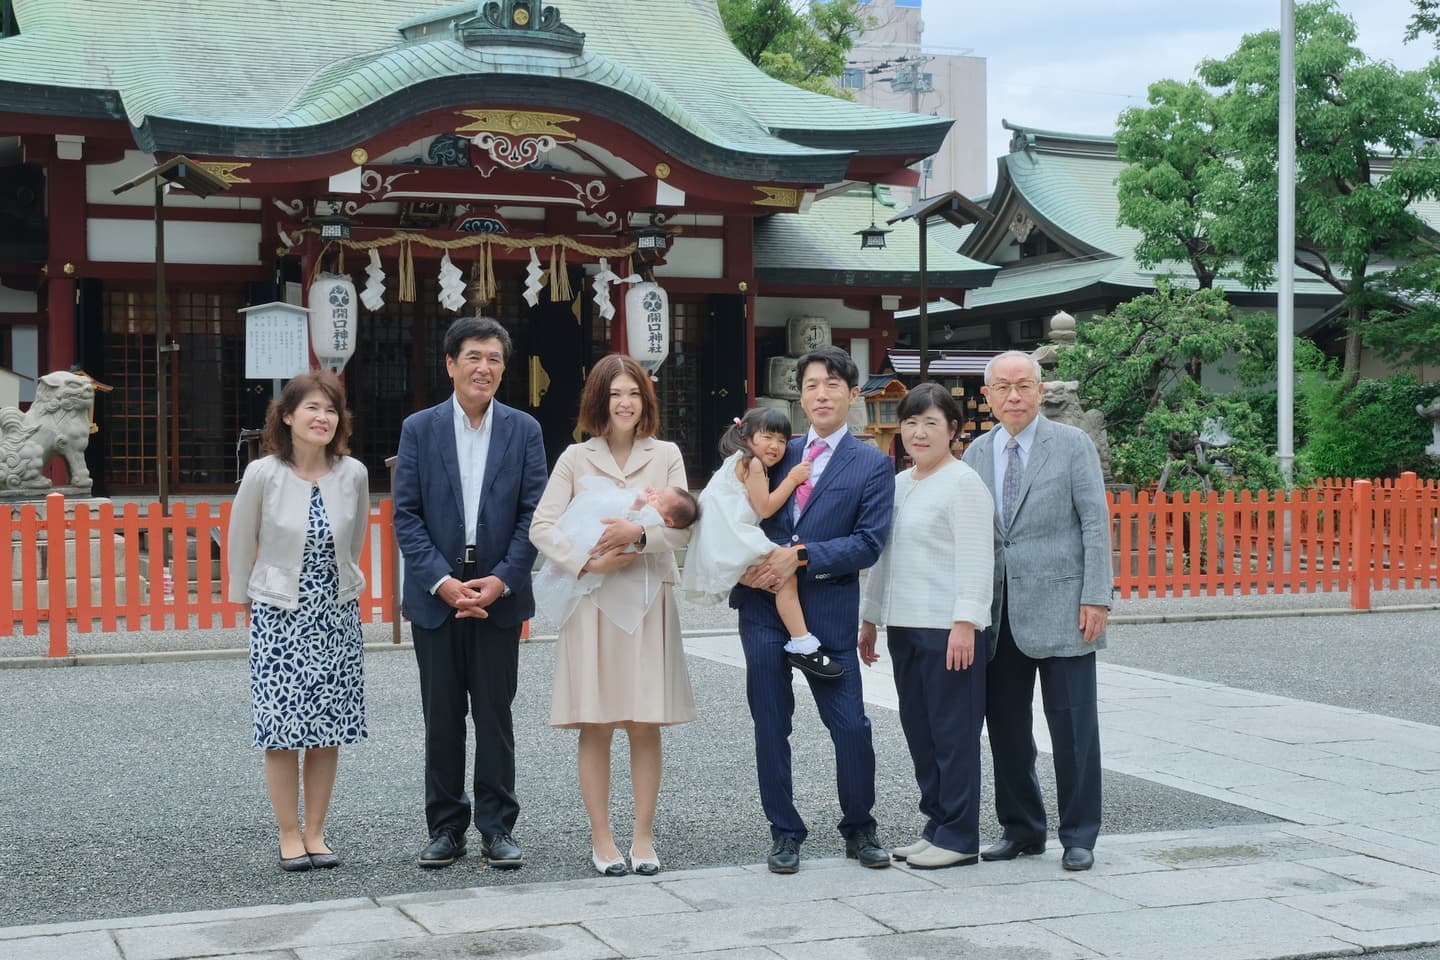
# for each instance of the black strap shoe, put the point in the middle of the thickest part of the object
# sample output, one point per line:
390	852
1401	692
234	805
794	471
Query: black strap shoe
442	850
501	851
816	664
864	845
784	855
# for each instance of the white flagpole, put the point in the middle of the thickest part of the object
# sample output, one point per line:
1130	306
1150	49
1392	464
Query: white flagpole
1285	301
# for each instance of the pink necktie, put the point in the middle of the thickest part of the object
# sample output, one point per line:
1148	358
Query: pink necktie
802	492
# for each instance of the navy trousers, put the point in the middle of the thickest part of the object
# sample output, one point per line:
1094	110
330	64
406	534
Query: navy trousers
1067	689
772	706
468	666
941	712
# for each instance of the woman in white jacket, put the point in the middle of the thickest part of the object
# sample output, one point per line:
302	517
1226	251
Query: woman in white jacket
932	587
293	550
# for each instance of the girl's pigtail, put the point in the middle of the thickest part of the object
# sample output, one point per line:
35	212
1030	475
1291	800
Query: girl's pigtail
732	440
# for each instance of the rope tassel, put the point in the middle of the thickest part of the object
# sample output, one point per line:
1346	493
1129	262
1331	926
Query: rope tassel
407	273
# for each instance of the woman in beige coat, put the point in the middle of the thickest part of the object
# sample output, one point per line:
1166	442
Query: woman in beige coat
605	677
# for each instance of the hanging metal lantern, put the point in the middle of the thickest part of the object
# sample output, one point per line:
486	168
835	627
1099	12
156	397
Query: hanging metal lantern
333	315
647	324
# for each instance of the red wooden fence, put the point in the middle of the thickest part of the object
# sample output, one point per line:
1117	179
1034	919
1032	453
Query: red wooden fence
107	572
1350	536
1344	535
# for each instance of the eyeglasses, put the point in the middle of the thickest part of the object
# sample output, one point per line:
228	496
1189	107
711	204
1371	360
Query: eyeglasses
1023	387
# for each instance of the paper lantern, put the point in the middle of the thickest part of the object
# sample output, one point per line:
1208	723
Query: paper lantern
332	320
647	324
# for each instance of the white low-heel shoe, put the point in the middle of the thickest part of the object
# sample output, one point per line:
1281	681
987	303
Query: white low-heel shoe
643	866
607	868
937	858
910	849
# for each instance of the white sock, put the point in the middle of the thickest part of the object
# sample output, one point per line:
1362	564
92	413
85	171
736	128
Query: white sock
806	644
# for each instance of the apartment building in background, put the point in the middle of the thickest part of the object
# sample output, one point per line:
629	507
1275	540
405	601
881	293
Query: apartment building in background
891	67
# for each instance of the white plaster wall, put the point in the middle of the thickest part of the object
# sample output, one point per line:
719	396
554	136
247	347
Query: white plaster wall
192	241
17	301
775	311
702	257
25	353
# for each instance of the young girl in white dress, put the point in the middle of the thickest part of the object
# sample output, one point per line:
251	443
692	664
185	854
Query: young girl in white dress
727	538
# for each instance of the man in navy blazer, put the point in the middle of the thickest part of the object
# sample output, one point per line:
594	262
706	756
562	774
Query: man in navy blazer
826	536
467	479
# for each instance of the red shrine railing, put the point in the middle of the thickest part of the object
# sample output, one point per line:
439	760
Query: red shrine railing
107	572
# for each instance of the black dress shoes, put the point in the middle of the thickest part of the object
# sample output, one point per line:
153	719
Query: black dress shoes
501	851
864	846
784	855
1077	858
295	864
442	850
1010	849
816	664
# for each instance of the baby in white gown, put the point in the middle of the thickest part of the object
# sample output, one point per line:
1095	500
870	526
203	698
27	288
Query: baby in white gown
624	595
728	538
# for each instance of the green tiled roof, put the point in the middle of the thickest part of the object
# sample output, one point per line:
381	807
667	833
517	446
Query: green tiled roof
820	246
1067	183
279	78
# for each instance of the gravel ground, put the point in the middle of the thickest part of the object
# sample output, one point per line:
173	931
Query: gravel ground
103	824
132	790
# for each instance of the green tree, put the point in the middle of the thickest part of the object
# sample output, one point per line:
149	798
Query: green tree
1426	19
1381	436
803	46
1131	366
1365	154
1176	180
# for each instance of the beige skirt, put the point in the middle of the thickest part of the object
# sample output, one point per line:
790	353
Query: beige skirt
604	675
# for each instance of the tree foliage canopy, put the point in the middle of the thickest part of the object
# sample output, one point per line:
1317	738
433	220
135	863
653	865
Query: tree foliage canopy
1202	184
1136	366
805	46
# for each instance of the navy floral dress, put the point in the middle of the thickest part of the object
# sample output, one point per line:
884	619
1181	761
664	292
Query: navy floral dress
307	680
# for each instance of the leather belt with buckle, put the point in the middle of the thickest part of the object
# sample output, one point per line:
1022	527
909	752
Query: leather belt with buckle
469	556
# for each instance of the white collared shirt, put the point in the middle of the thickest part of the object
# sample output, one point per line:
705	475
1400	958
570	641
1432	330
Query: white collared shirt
472	449
1001	458
818	465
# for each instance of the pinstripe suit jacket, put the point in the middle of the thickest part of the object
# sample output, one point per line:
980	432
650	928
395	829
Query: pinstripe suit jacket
844	527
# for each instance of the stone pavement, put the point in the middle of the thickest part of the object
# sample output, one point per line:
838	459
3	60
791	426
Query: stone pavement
1355	868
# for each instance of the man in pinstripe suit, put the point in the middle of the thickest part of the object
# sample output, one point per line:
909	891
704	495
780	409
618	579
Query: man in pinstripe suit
826	534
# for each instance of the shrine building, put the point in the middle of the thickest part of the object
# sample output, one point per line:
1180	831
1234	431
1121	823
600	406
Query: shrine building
492	153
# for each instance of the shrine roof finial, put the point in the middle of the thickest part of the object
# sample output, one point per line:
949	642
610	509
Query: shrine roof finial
525	22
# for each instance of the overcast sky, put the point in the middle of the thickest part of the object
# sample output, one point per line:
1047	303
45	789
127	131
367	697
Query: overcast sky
1073	66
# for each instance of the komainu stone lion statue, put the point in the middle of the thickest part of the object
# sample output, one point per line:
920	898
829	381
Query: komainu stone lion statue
56	425
1061	403
1431	412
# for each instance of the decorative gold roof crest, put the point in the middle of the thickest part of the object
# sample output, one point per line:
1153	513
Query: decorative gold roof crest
523	22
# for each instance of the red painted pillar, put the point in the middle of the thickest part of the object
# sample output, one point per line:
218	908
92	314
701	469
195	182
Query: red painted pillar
739	260
65	184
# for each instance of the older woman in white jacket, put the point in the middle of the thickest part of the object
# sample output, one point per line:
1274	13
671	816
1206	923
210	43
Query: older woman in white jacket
293	550
932	588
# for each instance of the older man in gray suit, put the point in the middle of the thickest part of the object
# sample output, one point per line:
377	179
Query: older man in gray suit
1053	580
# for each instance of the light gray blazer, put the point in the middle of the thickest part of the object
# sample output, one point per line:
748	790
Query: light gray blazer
268	522
1056	553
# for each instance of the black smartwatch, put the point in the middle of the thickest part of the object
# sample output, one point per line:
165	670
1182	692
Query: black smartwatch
802	556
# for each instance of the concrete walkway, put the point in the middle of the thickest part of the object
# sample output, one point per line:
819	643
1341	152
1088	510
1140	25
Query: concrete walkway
1355	868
